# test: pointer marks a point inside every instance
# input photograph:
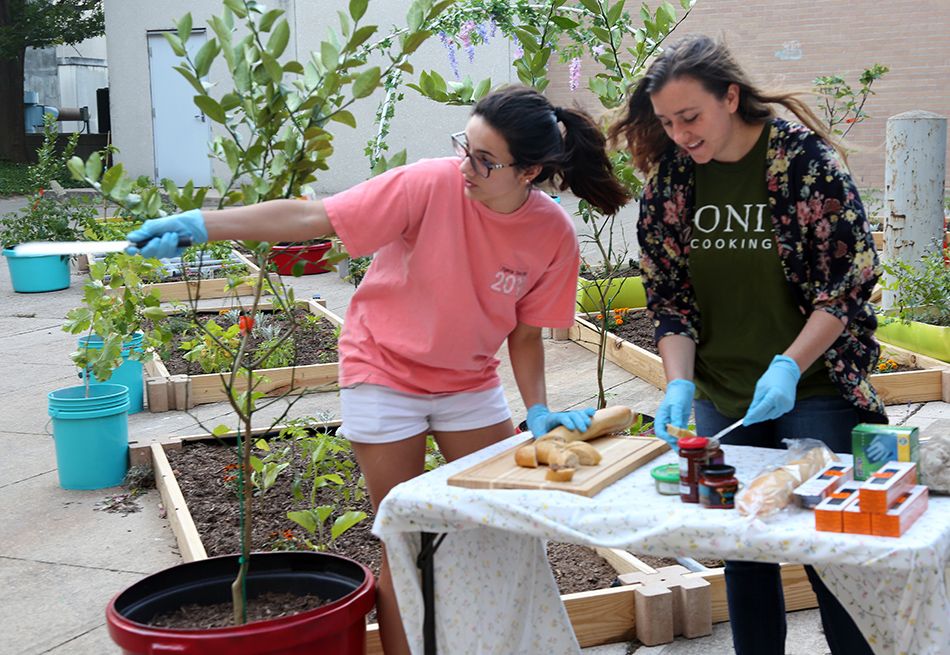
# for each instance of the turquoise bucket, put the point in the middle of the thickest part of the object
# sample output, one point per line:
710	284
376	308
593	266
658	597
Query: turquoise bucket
129	372
37	273
91	435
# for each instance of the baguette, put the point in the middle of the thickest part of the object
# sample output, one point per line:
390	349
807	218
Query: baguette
587	454
564	459
527	456
604	421
559	475
771	491
547	449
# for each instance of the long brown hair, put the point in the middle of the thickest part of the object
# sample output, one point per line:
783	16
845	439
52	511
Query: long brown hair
577	160
709	62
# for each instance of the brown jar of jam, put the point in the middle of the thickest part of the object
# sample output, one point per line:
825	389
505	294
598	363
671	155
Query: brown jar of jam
717	487
692	457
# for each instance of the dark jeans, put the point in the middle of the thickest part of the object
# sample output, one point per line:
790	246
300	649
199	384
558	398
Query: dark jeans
754	589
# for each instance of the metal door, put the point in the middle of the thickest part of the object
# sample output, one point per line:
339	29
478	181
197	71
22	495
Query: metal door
179	130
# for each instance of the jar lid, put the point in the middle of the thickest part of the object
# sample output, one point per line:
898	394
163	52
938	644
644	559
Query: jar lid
718	470
666	472
692	443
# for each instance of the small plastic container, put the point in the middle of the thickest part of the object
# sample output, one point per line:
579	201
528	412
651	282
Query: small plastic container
667	479
718	486
692	456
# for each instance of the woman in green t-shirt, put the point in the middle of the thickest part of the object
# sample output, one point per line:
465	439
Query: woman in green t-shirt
758	263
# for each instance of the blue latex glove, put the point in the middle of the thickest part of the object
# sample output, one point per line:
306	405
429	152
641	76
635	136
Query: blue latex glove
542	420
163	234
675	409
883	448
774	392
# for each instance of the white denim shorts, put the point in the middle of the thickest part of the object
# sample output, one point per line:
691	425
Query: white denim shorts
376	414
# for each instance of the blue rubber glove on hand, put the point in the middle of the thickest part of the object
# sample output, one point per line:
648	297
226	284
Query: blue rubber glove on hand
542	420
163	234
775	391
883	448
675	409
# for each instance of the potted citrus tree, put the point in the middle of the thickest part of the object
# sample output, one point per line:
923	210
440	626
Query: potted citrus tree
274	137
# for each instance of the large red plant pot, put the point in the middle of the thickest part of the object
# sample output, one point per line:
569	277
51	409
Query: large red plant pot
338	627
310	256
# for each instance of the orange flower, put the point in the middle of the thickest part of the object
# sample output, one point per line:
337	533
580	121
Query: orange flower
618	321
245	324
850	120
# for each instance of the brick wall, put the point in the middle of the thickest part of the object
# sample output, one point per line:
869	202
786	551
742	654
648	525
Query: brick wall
790	42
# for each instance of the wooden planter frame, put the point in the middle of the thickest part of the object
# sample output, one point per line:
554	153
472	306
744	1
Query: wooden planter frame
603	616
165	391
184	290
930	383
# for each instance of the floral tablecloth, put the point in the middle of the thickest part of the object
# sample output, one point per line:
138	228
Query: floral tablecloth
495	592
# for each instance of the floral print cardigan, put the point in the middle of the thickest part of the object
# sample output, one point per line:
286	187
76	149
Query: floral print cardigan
822	237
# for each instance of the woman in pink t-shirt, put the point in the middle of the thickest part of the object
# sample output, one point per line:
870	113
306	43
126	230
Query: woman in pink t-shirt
469	254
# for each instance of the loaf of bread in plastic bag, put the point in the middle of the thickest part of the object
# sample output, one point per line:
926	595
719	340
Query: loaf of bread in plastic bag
772	489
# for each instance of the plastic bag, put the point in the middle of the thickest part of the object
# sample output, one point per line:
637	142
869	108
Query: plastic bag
935	463
771	490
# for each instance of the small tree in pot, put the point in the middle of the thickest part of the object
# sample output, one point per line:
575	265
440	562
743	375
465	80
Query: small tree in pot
274	136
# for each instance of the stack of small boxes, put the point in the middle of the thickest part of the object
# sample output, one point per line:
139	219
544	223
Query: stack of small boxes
885	505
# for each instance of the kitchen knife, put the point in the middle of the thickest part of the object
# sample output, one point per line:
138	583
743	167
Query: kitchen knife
726	430
83	247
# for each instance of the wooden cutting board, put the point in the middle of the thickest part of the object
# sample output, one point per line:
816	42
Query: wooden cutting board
621	455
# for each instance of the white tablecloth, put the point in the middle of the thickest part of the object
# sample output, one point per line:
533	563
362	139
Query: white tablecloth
495	592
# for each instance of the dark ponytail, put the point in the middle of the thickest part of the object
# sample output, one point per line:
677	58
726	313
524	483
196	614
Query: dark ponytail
578	160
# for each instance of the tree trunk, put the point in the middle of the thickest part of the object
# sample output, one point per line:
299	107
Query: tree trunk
12	130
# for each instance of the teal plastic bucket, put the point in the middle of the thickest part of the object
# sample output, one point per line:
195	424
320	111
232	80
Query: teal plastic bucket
129	372
37	273
91	435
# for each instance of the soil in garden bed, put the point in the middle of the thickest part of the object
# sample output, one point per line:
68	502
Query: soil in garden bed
631	270
314	341
206	475
637	328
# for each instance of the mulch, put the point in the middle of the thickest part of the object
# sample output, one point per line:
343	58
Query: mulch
314	343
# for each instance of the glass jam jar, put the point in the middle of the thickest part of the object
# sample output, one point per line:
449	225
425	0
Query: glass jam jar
714	454
692	456
717	486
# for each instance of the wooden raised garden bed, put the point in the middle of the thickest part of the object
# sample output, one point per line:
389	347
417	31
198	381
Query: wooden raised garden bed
930	382
598	617
183	290
166	391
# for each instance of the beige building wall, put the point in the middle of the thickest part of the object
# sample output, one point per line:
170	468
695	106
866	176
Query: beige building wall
420	125
790	42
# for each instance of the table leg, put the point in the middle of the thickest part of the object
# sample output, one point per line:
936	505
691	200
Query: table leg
426	563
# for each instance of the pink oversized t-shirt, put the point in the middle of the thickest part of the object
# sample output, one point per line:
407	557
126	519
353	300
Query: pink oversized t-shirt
450	280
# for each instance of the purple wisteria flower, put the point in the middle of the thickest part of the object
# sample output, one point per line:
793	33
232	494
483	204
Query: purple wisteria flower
493	27
450	48
599	49
465	35
482	29
519	52
574	70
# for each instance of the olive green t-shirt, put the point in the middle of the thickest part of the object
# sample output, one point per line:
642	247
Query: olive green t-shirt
747	314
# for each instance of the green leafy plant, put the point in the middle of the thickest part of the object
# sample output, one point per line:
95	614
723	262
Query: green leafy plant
922	291
115	307
213	346
273	127
48	216
619	43
840	104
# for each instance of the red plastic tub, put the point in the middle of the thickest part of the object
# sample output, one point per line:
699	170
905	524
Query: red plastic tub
338	627
311	255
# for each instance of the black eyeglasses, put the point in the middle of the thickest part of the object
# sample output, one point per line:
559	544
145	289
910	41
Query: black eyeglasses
481	166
